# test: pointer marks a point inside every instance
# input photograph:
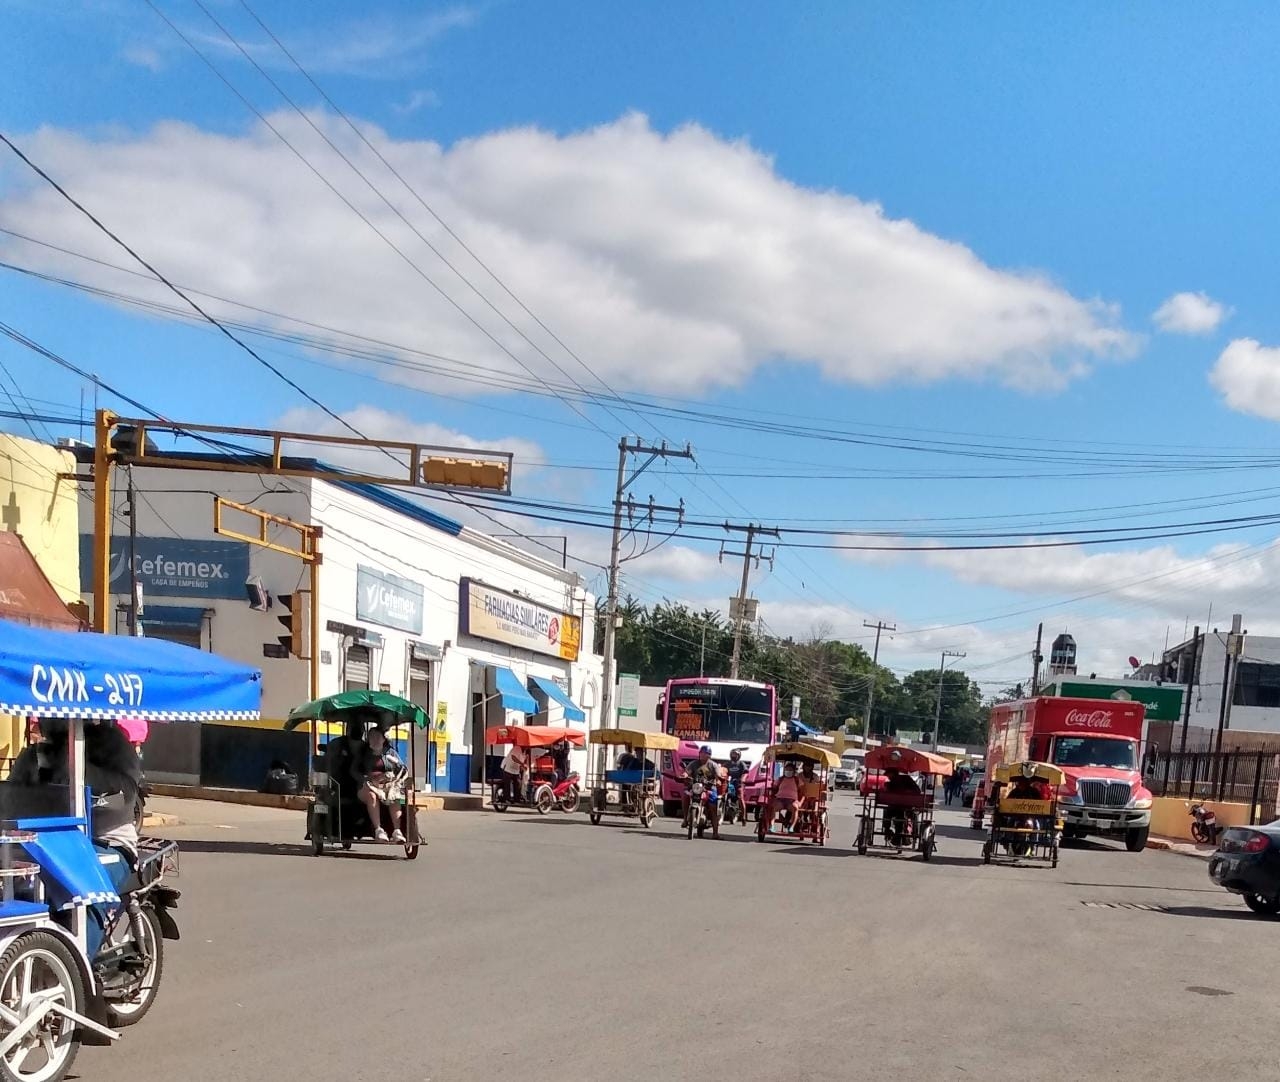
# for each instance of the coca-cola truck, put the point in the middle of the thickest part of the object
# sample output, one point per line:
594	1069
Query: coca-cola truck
1096	743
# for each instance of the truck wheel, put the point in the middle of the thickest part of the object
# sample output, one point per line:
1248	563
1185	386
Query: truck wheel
1135	840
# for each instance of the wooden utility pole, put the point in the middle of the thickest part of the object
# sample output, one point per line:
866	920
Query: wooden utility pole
626	448
942	669
880	626
1037	659
739	605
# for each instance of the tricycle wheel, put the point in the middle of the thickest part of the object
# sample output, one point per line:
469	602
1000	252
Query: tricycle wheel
38	967
861	843
499	801
648	813
926	848
986	852
569	804
346	846
545	800
410	850
595	819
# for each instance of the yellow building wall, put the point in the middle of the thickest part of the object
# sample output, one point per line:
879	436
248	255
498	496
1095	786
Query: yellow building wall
44	509
1171	816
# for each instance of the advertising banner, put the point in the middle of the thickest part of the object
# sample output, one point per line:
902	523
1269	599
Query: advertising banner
387	599
172	567
498	616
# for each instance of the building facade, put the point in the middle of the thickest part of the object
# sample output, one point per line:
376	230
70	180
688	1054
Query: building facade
474	630
1255	691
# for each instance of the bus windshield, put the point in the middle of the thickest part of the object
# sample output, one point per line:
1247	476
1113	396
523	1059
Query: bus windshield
1091	751
720	713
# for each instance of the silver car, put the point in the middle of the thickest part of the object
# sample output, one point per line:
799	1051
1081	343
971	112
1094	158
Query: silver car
848	775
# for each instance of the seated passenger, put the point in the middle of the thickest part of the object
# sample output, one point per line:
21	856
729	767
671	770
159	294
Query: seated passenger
631	759
786	796
897	820
380	775
811	790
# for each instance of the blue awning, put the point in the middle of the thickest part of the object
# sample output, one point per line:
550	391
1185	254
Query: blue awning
65	674
549	688
185	617
512	692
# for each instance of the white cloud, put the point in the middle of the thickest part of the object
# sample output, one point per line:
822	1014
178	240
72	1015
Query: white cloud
143	56
1158	579
1247	374
676	261
380	424
379	47
417	101
1190	313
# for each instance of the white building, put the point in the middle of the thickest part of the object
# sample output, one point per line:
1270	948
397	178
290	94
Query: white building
1255	701
472	629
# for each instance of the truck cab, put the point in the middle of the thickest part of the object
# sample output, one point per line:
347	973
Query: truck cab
1096	745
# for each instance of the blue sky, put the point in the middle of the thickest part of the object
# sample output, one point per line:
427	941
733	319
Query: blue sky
687	195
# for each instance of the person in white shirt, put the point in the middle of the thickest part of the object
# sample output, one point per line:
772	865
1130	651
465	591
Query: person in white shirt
514	766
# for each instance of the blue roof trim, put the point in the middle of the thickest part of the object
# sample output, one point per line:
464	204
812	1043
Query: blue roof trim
384	497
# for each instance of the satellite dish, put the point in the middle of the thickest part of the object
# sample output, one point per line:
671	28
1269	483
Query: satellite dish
1134	663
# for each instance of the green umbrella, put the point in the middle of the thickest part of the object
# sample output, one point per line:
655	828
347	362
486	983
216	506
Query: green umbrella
379	706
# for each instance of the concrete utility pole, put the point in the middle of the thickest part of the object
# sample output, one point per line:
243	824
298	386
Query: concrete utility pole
1036	661
880	626
626	448
1191	683
937	713
1231	664
740	615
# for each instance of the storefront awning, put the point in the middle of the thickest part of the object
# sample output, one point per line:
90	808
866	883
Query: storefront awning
511	692
26	594
572	712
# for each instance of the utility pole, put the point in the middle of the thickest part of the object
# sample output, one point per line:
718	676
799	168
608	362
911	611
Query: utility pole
880	626
1235	647
740	613
134	613
937	713
626	448
1191	683
1036	660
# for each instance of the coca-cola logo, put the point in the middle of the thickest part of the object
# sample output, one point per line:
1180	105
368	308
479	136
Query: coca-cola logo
1089	719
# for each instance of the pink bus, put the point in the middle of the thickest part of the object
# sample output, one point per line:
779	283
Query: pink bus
722	713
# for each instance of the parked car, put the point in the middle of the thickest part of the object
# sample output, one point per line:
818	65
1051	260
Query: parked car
848	775
1247	862
971	787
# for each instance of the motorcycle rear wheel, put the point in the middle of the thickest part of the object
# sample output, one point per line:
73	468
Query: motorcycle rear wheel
569	803
131	1011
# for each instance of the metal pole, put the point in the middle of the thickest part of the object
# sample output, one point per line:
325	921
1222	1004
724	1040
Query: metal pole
880	626
611	601
1191	683
1036	660
103	424
702	654
937	713
133	555
742	601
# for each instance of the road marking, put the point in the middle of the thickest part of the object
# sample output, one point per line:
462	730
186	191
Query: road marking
1146	908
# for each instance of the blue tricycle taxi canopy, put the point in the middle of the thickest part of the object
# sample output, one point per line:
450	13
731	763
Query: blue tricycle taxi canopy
65	674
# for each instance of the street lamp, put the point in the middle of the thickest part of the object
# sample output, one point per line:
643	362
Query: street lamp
937	711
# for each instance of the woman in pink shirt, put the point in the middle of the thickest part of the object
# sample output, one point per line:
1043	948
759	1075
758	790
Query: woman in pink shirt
786	793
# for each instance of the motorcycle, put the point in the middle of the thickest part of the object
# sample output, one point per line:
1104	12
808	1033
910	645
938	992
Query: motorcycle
129	960
1204	824
564	794
704	803
734	809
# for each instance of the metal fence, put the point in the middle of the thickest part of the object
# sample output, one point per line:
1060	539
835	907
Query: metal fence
1243	776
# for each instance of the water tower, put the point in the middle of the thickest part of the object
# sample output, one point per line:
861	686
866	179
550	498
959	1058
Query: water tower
1062	656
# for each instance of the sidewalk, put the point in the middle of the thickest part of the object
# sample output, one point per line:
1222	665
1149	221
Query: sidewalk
1182	848
425	801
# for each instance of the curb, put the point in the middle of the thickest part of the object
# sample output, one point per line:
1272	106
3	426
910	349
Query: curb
160	819
1179	848
300	802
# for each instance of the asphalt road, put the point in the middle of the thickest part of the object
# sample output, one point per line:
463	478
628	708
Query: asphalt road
547	949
